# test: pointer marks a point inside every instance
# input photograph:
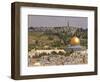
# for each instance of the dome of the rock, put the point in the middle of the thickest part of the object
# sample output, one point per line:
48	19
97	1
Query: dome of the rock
75	41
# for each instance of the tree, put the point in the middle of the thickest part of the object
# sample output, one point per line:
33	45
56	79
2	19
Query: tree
61	53
54	52
36	42
50	38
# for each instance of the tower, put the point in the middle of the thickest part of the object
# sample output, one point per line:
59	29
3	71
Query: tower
68	23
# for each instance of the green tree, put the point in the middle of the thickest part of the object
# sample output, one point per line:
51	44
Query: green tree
53	52
61	53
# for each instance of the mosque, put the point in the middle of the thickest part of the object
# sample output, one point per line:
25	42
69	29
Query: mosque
75	41
74	44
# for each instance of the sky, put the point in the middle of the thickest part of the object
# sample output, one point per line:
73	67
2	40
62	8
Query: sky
55	21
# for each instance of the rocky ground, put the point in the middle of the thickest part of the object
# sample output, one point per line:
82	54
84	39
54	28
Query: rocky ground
77	57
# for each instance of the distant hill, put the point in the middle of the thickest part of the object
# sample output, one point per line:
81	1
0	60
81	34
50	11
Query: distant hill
64	29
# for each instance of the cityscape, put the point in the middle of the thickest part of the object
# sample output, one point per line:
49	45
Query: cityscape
57	44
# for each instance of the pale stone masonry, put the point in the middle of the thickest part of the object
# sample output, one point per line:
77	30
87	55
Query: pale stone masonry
77	57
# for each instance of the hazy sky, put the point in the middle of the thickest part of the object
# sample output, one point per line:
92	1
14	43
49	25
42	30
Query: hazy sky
50	21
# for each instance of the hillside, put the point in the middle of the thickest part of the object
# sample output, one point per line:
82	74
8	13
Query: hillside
54	37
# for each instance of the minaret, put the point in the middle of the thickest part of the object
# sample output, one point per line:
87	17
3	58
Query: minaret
68	23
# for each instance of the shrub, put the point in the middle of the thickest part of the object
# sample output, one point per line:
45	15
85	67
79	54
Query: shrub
67	54
42	54
54	52
30	47
50	38
61	53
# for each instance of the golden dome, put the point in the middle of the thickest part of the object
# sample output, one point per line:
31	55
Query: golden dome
75	41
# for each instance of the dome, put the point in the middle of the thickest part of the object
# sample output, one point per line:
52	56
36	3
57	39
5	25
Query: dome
75	41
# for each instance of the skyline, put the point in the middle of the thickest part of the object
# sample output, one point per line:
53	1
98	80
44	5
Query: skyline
56	21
